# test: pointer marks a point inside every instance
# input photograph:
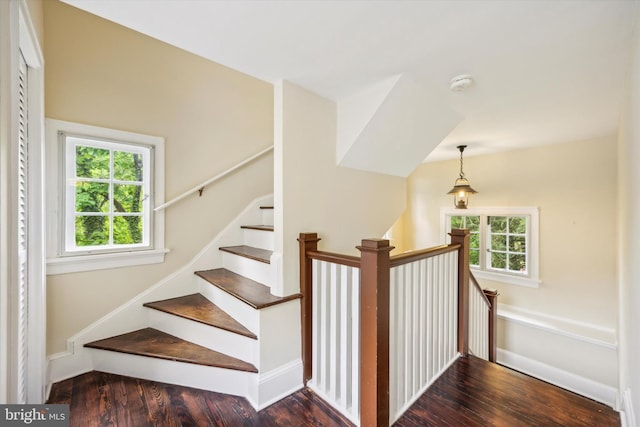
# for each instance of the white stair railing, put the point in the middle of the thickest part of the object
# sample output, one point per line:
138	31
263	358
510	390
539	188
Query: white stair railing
481	315
423	327
378	330
336	336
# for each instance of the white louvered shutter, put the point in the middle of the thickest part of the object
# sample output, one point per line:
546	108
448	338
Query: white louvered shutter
22	309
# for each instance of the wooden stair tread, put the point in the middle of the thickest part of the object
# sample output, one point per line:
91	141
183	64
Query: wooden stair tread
258	227
257	254
150	342
249	291
199	309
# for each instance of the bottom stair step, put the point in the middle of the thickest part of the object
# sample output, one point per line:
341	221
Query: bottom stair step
150	342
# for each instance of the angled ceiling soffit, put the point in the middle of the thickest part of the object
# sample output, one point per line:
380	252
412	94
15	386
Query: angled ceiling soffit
391	127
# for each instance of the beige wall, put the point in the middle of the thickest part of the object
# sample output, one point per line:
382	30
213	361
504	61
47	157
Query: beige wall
211	117
629	205
343	205
574	185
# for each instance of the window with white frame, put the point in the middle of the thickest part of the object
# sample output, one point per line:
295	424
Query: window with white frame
108	195
107	184
503	242
507	244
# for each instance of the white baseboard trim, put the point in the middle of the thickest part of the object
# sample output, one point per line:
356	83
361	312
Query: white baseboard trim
627	416
584	386
267	389
68	364
278	384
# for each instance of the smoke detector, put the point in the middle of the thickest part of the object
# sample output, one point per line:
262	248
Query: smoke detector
461	82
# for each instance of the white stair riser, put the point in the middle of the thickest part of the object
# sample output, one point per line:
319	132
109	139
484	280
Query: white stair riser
259	239
252	269
226	342
235	308
280	337
220	380
267	216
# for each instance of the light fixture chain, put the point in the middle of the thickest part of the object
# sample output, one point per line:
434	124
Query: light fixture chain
461	164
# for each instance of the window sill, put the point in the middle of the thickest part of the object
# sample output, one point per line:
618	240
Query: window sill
505	278
75	264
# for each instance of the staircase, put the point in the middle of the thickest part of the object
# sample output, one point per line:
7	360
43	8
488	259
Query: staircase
221	331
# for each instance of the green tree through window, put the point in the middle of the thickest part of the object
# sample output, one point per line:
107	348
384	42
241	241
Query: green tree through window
508	249
473	224
110	190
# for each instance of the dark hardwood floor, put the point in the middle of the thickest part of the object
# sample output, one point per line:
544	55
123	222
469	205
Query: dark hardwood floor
476	393
102	399
472	393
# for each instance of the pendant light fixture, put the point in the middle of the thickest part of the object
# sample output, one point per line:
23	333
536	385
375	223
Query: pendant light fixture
461	189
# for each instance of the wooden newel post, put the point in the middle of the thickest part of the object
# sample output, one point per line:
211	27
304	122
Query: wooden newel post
461	237
492	296
308	242
374	332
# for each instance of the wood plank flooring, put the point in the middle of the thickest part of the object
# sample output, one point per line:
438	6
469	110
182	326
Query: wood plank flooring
472	393
99	399
476	393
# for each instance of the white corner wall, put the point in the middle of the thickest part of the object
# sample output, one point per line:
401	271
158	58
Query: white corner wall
629	241
312	193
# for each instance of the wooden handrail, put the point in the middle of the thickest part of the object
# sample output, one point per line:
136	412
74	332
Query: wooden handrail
348	260
200	187
490	297
396	260
413	256
479	288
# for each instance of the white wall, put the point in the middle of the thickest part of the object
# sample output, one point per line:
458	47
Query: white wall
313	194
569	322
629	247
211	117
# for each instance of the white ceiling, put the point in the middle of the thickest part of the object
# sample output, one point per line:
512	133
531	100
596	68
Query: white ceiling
544	71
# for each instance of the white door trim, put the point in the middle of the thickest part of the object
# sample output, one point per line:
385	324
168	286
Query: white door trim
17	32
